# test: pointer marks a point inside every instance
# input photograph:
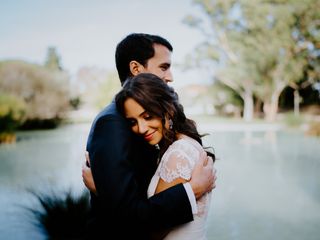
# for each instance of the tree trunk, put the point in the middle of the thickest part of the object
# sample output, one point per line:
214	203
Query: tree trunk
248	106
270	108
257	108
296	102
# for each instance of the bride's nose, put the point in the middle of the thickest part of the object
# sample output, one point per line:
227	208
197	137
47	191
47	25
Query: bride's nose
142	127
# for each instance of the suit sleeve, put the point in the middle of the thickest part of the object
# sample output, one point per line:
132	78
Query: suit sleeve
109	150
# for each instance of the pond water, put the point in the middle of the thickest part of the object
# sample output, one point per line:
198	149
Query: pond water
268	184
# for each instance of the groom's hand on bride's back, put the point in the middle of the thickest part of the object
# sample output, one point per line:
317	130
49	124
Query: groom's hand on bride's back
203	177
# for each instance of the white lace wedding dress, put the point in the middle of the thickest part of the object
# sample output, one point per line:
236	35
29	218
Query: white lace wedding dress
178	162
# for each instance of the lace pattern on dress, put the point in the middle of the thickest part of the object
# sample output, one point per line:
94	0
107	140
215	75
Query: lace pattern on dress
178	161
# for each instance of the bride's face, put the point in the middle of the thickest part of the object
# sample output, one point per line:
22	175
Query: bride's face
142	122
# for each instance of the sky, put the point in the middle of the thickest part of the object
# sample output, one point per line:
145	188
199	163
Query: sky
86	32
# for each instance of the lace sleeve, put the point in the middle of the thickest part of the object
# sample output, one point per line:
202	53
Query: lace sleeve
178	162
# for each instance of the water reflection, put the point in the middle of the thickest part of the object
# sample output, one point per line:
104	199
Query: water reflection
268	184
41	161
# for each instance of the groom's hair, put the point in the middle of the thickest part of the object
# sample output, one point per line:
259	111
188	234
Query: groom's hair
136	47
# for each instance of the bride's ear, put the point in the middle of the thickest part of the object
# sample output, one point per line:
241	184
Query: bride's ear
135	67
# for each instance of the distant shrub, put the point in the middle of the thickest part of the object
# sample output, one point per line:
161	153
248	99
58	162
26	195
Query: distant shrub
292	120
75	102
12	112
45	91
314	129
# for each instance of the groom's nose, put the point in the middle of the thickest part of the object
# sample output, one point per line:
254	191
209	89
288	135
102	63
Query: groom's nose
168	77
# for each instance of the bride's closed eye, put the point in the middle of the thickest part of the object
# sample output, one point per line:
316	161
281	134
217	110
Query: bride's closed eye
132	122
148	116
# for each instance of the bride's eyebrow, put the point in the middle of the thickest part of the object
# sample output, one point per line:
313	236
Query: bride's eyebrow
145	111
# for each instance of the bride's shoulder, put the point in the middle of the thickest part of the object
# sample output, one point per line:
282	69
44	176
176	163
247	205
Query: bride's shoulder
185	145
186	141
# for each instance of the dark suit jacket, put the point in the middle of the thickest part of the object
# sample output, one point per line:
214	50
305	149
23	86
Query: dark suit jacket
122	166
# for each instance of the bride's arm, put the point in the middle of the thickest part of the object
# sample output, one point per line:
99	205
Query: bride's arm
170	165
163	185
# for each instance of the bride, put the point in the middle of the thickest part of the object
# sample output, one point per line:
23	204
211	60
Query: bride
153	111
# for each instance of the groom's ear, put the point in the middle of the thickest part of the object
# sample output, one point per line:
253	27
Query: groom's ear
135	67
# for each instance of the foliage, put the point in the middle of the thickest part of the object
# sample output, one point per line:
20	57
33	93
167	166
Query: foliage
292	120
45	92
259	47
97	87
314	129
226	100
308	96
75	102
107	90
52	60
63	216
12	112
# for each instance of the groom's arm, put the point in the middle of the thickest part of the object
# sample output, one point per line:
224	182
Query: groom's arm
114	177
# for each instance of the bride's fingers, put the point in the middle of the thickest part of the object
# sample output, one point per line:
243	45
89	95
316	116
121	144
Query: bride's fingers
87	158
204	158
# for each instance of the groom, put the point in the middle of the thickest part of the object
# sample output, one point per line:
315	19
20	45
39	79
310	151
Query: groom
122	164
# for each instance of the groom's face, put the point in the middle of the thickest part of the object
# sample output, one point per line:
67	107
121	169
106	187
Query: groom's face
160	63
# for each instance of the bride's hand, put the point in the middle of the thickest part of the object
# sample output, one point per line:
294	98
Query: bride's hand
87	177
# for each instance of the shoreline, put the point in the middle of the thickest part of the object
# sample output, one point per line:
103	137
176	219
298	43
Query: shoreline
240	127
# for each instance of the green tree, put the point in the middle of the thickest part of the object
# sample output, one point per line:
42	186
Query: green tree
96	86
306	32
52	59
12	112
107	89
254	47
45	92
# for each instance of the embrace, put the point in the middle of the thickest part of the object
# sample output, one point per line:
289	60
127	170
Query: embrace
149	175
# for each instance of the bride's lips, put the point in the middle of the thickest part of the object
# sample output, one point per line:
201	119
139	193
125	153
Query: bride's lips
148	137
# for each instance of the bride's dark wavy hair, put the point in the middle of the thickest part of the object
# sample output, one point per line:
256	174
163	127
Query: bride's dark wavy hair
159	100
